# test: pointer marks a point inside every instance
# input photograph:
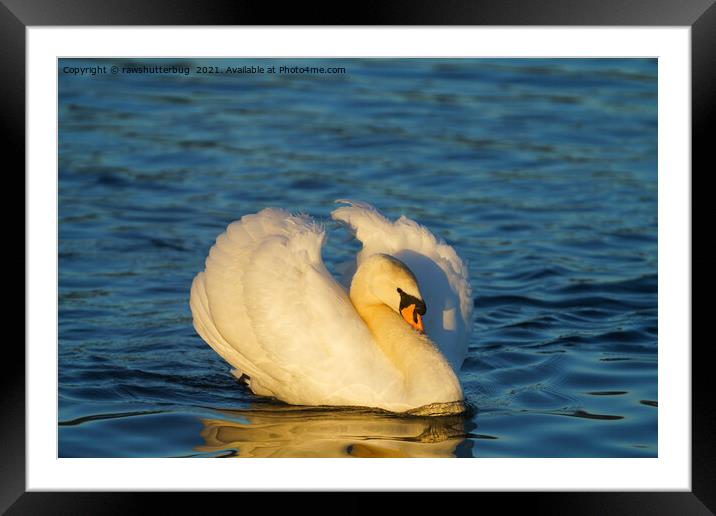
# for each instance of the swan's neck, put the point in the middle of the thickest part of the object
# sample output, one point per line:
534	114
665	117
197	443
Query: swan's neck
427	373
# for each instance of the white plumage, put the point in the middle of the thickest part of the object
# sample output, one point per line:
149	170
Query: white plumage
267	304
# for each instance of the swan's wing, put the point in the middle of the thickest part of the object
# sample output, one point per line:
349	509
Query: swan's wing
267	304
442	276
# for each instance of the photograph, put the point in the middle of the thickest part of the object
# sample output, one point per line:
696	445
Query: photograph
374	257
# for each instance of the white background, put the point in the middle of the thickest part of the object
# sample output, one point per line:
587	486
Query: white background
671	470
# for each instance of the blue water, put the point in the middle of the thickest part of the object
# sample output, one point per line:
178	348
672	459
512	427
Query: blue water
541	172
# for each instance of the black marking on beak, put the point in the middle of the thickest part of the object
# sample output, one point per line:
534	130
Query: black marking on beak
407	300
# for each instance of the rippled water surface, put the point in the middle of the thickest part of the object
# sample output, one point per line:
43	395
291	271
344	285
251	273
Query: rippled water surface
542	173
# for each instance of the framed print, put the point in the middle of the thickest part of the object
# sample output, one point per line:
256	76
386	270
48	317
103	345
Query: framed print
221	217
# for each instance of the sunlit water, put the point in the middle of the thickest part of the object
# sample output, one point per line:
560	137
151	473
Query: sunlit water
542	174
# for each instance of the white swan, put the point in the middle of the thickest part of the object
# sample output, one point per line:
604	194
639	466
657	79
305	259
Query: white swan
267	304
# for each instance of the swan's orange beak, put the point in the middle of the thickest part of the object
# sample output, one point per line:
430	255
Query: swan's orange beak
412	318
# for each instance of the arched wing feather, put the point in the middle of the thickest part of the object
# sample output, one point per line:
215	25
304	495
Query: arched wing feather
293	329
442	276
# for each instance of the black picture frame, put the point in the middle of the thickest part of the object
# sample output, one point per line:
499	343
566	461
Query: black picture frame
17	15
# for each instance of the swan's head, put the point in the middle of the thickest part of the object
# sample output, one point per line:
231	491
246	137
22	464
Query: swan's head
386	279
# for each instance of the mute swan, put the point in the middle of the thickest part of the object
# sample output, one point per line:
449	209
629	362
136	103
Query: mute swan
267	304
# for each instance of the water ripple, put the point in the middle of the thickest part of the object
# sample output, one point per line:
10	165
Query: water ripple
541	173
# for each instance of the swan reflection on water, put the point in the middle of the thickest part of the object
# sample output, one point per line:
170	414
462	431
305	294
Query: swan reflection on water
291	431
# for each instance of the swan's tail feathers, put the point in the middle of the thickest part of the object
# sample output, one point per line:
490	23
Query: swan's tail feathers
205	327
